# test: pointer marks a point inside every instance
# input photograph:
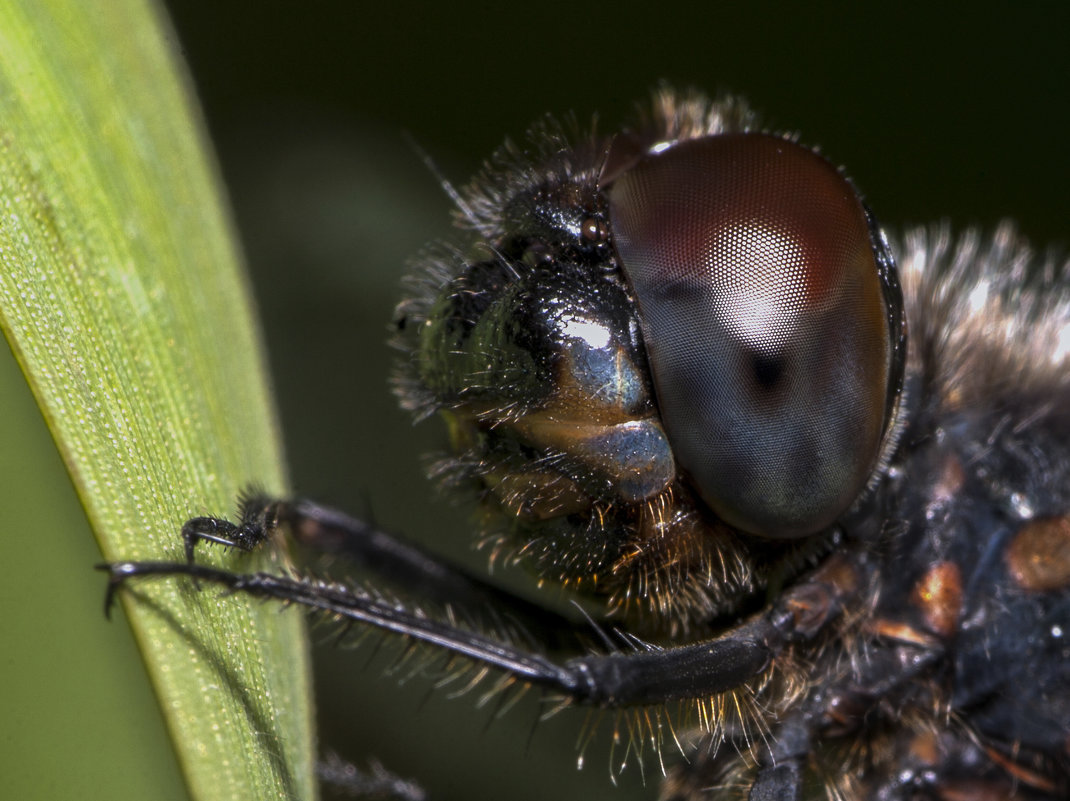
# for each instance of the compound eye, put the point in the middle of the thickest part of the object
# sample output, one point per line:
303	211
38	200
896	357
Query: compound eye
765	322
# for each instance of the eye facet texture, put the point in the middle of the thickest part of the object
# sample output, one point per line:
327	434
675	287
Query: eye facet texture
765	323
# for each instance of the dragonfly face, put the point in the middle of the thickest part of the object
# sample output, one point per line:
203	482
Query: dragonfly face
663	356
823	556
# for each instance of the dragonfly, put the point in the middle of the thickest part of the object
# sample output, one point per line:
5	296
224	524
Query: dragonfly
809	485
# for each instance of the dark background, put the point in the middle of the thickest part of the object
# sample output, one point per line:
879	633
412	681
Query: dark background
936	114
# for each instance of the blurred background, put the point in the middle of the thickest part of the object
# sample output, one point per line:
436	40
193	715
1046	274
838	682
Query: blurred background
937	113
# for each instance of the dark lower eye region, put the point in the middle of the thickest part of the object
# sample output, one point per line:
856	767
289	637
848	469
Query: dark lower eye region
766	324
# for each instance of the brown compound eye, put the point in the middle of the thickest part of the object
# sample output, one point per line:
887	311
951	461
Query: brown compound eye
766	323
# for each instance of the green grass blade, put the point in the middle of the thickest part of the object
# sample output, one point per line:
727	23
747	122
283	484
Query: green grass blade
121	298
